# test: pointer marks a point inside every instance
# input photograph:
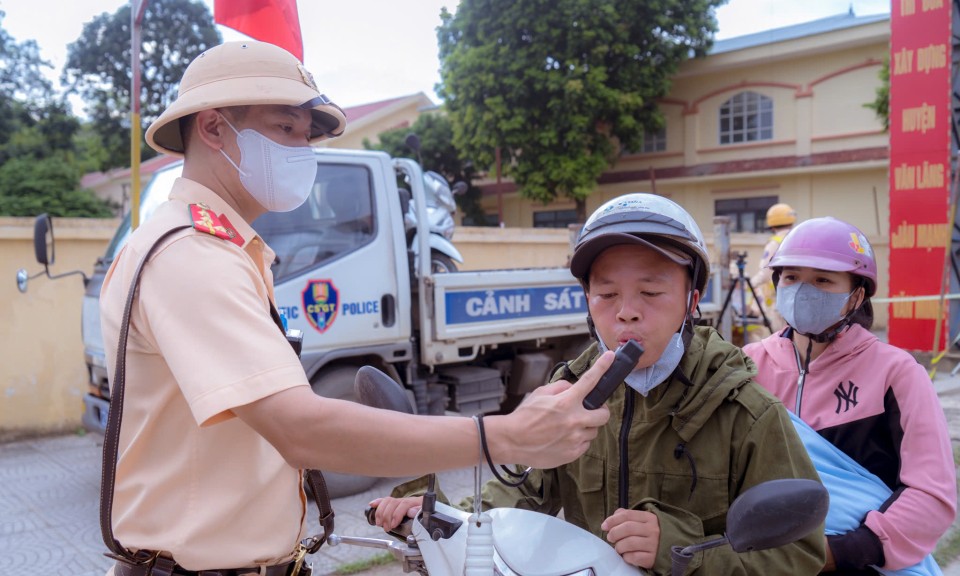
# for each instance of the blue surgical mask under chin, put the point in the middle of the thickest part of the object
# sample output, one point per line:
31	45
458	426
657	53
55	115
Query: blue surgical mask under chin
643	380
809	310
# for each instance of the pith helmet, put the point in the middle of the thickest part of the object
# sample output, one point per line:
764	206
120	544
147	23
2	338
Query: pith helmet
647	219
240	74
781	215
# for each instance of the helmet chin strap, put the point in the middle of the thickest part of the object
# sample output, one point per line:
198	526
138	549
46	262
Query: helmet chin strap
687	335
831	334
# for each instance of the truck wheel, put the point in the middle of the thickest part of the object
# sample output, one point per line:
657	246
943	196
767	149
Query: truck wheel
440	263
337	382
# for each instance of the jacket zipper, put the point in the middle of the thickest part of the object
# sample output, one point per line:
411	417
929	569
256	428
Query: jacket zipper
800	379
624	471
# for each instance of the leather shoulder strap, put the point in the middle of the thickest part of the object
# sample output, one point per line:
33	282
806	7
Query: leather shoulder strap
111	438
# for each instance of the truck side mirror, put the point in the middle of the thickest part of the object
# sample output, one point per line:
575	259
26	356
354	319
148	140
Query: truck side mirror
43	250
43	239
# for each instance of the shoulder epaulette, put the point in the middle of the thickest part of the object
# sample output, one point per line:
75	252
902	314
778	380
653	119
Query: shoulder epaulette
206	221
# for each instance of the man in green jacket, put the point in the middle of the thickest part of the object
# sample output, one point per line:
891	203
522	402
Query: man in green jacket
690	430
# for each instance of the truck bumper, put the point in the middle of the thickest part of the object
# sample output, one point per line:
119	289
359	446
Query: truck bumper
95	410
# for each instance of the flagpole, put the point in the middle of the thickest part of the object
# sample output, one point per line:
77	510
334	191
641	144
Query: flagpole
137	8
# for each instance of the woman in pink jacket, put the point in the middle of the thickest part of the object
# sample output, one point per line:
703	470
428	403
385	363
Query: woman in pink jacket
871	400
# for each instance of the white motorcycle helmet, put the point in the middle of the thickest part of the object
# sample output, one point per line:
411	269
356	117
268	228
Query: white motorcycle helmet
649	220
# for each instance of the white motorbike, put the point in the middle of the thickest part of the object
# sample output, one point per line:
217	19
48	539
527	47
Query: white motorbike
445	541
441	208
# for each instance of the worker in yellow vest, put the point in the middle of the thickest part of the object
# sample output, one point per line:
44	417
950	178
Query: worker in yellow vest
780	220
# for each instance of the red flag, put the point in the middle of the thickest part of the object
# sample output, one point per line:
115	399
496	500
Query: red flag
273	21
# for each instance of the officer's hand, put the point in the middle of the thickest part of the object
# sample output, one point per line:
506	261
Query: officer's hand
391	511
635	534
551	427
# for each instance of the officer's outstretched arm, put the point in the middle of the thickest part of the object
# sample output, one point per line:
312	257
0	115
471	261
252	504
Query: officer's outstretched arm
548	429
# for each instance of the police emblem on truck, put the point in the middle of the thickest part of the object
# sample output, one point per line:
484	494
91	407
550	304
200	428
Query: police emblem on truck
321	301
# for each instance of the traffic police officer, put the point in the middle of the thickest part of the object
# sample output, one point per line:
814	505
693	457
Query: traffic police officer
780	220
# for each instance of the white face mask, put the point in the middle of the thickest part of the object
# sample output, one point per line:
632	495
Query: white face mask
279	177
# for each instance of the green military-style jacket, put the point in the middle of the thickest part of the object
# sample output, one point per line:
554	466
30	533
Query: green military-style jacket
692	448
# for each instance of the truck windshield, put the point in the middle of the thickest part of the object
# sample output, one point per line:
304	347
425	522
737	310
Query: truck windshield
336	219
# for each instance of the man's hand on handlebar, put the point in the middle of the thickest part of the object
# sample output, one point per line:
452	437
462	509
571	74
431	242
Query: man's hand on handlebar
551	427
390	512
635	534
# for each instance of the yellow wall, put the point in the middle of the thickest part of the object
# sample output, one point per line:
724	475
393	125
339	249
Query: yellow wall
43	373
496	248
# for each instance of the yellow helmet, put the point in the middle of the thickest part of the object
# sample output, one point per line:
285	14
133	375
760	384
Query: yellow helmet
781	215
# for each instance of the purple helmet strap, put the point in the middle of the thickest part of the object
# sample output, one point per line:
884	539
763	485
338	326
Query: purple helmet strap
832	333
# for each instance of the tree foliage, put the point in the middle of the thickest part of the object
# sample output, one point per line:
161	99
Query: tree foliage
437	153
40	170
881	103
21	70
561	85
98	66
30	186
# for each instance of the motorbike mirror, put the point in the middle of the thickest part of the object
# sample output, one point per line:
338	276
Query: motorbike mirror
413	141
377	390
43	239
775	513
460	187
768	515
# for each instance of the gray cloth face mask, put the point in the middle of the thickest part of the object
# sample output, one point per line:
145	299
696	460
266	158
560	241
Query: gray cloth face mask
808	309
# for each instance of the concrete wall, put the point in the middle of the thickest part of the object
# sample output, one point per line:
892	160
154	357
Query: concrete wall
42	376
493	248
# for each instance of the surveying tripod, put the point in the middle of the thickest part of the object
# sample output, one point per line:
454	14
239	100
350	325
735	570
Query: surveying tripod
742	280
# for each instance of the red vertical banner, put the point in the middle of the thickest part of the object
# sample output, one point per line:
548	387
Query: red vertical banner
920	118
274	21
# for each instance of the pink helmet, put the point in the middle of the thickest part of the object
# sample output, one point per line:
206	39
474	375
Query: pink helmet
829	244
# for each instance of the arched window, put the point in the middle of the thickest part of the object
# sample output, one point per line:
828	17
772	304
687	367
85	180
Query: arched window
746	117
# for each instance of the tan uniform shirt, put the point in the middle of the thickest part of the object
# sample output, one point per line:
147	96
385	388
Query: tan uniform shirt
192	479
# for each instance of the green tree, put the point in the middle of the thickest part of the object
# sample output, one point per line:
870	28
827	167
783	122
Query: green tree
98	66
437	153
21	70
881	104
561	85
30	186
39	169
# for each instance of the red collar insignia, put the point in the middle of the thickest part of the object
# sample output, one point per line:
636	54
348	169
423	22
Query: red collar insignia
219	226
